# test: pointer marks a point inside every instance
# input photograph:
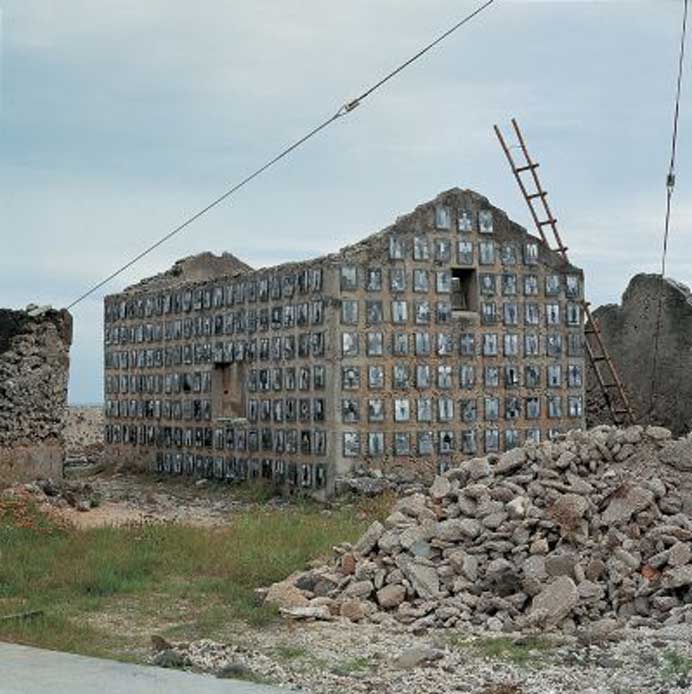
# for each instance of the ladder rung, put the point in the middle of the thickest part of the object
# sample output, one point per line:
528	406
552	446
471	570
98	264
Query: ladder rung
547	221
597	358
526	168
540	194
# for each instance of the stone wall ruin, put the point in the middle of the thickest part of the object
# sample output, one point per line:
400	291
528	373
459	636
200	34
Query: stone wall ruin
34	369
628	332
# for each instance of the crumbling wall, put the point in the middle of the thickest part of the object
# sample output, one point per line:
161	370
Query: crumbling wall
628	331
34	369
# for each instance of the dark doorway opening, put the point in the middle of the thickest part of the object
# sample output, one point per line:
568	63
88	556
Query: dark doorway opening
464	289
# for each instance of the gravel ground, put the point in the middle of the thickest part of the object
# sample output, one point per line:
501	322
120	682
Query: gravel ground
324	658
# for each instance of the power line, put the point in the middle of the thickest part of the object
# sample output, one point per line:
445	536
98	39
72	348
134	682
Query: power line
344	110
670	185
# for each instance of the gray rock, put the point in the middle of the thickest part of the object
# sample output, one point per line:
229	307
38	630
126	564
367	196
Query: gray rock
457	529
464	564
423	577
477	468
418	655
680	554
556	600
510	461
626	503
369	539
680	577
359	589
391	595
440	487
560	563
677	454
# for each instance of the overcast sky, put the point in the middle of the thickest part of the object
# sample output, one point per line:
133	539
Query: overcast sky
119	118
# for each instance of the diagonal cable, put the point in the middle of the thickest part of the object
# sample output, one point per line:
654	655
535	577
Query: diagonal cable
344	110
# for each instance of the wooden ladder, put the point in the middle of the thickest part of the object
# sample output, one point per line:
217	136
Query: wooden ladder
537	200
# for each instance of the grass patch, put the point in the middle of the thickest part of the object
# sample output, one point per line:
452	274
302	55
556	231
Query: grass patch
354	666
73	574
525	652
288	651
676	667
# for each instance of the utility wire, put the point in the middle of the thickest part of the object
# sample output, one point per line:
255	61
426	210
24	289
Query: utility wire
670	185
344	110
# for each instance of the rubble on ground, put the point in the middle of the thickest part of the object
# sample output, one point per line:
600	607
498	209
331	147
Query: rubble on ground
57	493
585	534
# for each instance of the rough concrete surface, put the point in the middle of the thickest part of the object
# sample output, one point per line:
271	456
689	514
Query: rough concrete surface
26	670
628	331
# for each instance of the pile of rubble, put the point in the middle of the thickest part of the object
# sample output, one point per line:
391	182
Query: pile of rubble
57	493
592	531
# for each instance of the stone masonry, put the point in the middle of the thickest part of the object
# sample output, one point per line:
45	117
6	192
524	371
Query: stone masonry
450	333
34	368
628	332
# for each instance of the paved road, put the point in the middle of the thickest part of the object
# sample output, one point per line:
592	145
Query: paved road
25	670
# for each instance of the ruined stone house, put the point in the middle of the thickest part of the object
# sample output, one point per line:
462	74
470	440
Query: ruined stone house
34	368
452	332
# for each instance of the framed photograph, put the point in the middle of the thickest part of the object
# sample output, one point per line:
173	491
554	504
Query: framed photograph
373	279
552	285
425	443
375	410
533	407
421	248
400	344
445	409
350	411
467	345
469	444
397	248
465	221
443	217
422	312
397	279
443	282
349	312
375	377
531	253
465	252
402	410
349	278
351	444
469	410
424	410
350	378
467	376
444	376
375	344
554	406
373	312
420	281
402	443
486	251
422	376
485	222
487	283
422	341
443	250
492	409
508	254
376	443
401	376
399	311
